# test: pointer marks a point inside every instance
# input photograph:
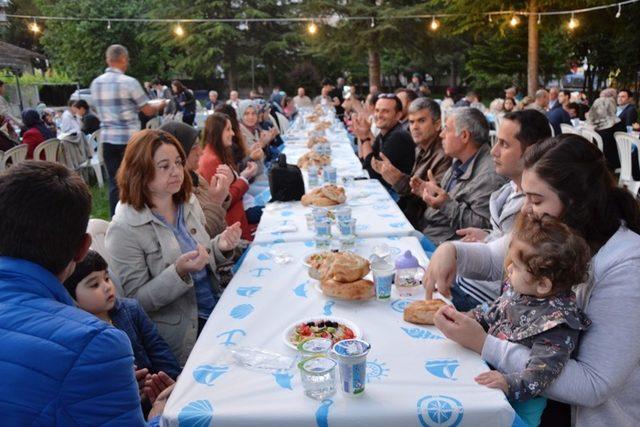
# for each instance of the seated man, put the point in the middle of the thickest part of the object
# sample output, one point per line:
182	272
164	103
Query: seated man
560	114
59	365
462	199
518	131
393	140
627	111
424	124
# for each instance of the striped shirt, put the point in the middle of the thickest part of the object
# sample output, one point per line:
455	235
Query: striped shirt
117	98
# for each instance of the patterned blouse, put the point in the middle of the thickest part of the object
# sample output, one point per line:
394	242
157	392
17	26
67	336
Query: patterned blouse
548	326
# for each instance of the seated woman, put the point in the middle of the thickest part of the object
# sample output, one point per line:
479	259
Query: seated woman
255	140
218	136
239	149
160	250
602	118
8	137
34	132
566	177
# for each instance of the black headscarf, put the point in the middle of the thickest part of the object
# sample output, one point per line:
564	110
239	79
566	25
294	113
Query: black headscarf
31	119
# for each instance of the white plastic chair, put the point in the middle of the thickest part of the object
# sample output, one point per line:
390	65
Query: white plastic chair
154	123
284	122
553	132
97	228
50	148
96	161
625	144
565	128
16	154
593	137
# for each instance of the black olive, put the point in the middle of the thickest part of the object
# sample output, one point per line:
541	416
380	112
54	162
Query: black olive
311	324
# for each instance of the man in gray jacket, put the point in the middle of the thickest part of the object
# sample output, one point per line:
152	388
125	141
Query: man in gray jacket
518	131
462	198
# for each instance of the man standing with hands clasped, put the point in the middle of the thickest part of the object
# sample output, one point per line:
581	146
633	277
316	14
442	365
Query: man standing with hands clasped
424	125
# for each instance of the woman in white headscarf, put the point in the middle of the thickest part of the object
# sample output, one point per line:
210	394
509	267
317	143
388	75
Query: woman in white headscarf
602	118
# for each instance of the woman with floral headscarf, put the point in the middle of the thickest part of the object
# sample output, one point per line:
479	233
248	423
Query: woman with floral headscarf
603	119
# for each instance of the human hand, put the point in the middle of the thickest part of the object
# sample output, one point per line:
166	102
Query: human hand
417	185
155	384
432	194
161	401
460	328
472	234
230	237
389	173
219	187
192	261
249	171
256	153
226	171
493	379
141	376
441	271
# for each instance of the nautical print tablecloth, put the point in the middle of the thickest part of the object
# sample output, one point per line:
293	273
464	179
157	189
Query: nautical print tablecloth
376	214
415	376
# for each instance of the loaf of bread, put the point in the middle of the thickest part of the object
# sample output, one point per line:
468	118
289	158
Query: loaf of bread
356	290
327	195
422	312
313	158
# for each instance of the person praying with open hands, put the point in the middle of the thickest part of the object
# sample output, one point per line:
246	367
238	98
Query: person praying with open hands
160	250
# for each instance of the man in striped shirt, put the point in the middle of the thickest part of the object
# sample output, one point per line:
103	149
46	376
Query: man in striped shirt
118	98
518	130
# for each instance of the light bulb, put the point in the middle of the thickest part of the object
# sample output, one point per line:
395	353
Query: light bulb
619	12
312	28
514	21
34	27
573	23
373	23
178	30
434	24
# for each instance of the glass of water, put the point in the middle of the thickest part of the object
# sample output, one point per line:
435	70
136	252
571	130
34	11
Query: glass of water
318	376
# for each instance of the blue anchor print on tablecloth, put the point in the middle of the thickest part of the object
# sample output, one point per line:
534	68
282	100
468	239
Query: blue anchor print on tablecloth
322	413
396	224
248	291
386	215
301	289
442	368
439	411
393	237
258	272
421	334
198	413
326	310
264	256
286	213
309	243
376	370
230	334
400	304
207	374
381	206
241	311
283	378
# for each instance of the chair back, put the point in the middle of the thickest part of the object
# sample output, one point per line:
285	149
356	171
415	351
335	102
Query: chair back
565	128
553	131
625	144
14	155
50	148
154	123
594	137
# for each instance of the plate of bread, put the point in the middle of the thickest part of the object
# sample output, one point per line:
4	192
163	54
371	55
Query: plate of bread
316	140
341	275
327	195
311	158
422	312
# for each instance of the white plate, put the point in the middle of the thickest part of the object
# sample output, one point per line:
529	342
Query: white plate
348	323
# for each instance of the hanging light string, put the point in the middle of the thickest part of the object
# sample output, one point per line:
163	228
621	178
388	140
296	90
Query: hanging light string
320	19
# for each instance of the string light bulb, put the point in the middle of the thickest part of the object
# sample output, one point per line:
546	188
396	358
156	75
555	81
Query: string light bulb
373	23
619	12
108	24
514	21
573	23
490	19
178	30
539	18
434	24
34	27
312	28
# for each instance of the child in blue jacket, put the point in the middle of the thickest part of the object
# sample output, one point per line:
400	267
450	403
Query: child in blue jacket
90	286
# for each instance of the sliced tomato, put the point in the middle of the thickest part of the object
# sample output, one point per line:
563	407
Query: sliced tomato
348	334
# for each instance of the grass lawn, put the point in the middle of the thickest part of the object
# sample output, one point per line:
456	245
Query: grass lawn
100	202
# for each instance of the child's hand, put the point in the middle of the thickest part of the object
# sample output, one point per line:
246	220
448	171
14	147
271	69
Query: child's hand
493	379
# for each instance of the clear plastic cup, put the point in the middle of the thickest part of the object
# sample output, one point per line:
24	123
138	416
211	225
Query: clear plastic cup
343	214
352	364
322	226
383	273
312	176
323	243
310	221
315	347
318	376
330	175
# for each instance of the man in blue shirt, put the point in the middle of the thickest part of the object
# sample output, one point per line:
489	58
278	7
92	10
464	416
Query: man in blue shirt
59	365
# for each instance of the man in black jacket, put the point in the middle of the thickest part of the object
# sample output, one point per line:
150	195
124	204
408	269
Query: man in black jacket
628	113
393	140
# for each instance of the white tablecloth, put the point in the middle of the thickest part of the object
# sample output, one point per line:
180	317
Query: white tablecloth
415	377
376	214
